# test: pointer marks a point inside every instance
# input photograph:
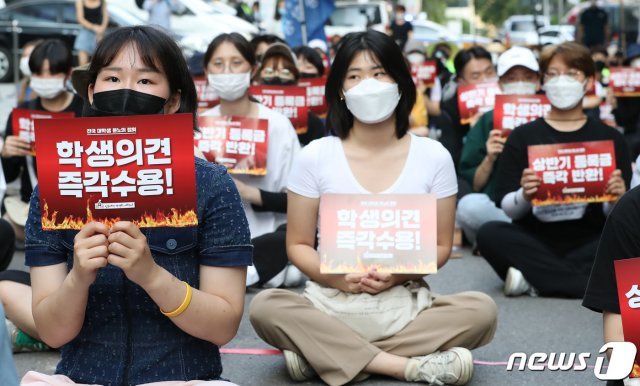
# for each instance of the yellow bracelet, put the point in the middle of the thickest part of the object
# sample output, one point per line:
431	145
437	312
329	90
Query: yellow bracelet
183	306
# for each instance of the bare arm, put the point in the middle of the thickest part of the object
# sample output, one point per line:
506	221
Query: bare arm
80	16
105	20
612	327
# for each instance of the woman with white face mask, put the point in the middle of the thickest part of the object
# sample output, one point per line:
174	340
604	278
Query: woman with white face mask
518	73
549	250
50	64
26	93
229	65
370	94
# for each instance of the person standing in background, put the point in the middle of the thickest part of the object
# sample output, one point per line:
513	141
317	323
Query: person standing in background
593	26
160	12
92	15
401	30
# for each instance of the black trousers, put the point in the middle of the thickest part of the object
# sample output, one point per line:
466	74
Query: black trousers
7	244
506	245
270	254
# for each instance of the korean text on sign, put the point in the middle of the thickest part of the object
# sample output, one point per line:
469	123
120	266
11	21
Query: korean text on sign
572	172
424	72
316	100
628	286
22	122
105	169
625	81
511	111
476	98
392	233
207	97
290	101
240	144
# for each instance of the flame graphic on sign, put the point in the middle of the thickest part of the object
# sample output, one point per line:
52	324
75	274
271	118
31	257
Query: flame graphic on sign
573	199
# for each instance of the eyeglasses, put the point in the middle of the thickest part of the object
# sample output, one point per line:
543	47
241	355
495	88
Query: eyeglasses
270	72
575	74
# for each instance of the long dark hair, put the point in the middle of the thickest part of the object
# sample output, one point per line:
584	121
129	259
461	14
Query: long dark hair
238	41
56	52
158	51
386	52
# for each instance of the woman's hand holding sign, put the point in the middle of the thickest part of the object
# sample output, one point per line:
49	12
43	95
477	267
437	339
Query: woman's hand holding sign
129	251
90	251
530	183
616	185
15	146
375	282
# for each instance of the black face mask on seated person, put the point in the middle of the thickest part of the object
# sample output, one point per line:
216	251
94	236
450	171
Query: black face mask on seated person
125	102
307	75
278	81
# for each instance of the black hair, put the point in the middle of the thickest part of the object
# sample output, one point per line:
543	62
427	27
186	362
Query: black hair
56	52
312	56
269	39
238	41
465	56
158	51
384	50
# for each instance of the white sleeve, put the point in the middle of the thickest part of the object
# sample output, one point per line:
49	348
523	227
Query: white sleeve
445	182
303	176
436	91
290	142
514	205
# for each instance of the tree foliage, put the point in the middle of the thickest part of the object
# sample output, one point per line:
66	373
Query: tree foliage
496	11
435	10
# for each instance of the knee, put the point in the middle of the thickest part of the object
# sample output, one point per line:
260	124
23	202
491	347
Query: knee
264	307
483	311
488	233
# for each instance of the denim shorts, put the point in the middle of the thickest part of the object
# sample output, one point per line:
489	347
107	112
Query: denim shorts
85	41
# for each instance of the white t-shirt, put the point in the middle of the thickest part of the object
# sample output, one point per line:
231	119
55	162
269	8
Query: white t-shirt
322	168
283	147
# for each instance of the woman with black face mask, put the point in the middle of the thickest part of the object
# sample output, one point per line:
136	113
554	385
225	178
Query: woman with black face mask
309	62
120	300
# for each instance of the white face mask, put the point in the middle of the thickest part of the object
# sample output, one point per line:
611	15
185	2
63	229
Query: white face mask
47	88
415	58
519	88
230	87
24	66
635	63
372	101
564	92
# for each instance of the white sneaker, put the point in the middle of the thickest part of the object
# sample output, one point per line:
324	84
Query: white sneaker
515	284
450	367
298	367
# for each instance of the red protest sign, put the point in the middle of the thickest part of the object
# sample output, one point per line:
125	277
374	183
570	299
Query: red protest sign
392	233
511	111
22	122
476	98
315	94
572	172
424	72
290	101
625	81
240	144
207	97
107	169
627	271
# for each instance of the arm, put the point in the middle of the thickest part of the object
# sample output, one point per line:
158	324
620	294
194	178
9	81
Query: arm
612	327
81	20
60	299
105	20
215	309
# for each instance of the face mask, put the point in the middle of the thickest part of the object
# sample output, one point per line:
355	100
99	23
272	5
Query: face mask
519	88
24	66
230	87
564	92
635	63
126	102
278	81
47	88
415	58
372	101
307	75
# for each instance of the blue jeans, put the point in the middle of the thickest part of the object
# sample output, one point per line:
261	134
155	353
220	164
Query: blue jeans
8	375
474	210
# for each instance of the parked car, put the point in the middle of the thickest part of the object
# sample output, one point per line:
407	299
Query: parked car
37	19
522	30
200	22
556	34
430	32
357	16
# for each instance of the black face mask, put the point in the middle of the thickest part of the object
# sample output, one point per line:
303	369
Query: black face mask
600	65
125	102
307	75
278	81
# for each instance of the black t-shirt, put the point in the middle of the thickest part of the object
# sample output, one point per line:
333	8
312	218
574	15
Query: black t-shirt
593	21
400	33
17	166
566	235
620	240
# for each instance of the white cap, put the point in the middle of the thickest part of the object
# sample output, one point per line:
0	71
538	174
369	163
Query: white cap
317	43
517	56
